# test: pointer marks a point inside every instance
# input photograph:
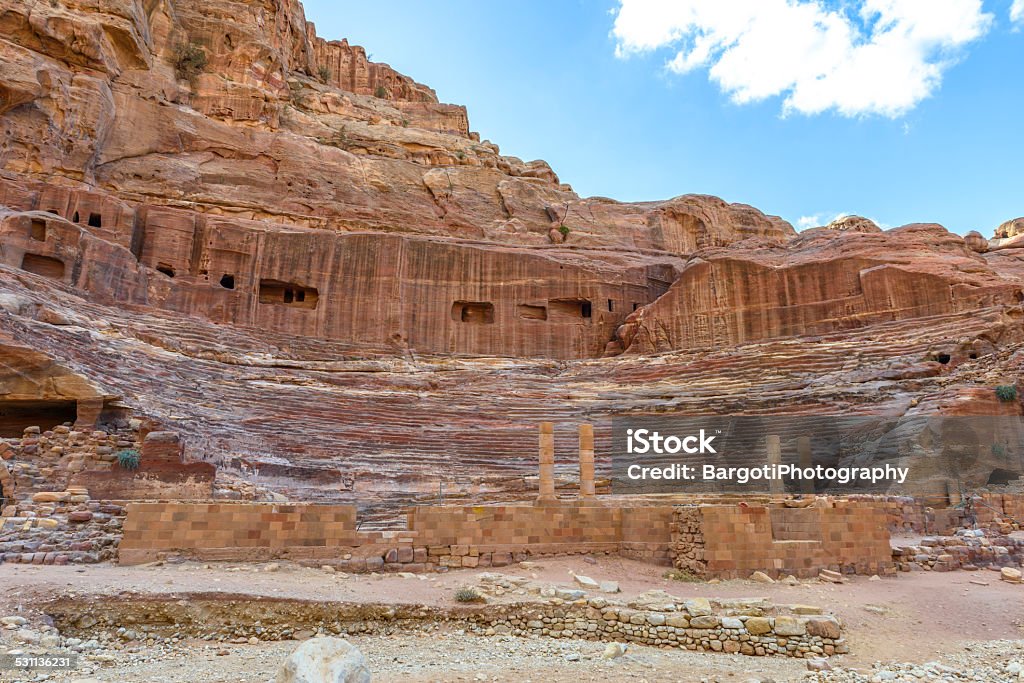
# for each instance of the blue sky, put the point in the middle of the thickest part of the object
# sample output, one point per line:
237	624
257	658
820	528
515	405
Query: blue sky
845	114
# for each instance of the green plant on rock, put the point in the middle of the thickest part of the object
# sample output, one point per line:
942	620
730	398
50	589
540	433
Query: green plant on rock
564	229
325	73
1006	393
128	459
381	92
189	61
468	595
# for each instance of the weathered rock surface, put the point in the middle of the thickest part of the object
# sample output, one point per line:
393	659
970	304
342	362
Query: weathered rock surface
324	660
817	283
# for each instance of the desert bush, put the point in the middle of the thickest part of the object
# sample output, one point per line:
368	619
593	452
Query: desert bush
1006	393
128	459
189	61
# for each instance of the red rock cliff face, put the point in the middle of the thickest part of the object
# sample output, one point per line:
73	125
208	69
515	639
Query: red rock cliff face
821	282
290	240
235	191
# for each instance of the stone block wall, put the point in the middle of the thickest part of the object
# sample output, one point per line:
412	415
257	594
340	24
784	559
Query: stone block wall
241	531
443	536
733	541
712	540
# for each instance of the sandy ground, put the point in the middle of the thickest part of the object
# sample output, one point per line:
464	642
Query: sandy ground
916	617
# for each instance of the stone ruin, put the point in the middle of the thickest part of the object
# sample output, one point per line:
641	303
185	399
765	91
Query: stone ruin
167	509
327	318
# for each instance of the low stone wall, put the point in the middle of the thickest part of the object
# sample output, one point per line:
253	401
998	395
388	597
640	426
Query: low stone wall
733	626
936	517
448	536
743	626
236	531
967	549
728	541
63	528
48	460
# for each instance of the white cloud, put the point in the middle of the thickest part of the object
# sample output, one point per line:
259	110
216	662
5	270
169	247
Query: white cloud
805	222
874	57
1017	12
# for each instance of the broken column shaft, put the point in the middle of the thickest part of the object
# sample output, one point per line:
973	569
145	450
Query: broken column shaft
586	461
547	462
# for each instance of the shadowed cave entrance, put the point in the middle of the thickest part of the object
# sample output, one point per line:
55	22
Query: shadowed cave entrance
43	265
287	294
1001	477
15	416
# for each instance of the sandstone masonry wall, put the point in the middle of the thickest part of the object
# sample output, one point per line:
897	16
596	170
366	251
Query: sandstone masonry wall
732	541
712	541
442	536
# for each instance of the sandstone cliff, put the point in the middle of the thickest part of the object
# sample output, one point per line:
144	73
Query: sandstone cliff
311	268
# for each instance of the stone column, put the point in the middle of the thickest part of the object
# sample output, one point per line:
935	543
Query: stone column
776	486
586	461
547	462
88	414
803	449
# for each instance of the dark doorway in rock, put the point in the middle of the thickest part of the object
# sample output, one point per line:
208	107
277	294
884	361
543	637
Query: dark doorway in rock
95	220
287	293
165	269
227	281
943	358
43	265
1001	477
15	416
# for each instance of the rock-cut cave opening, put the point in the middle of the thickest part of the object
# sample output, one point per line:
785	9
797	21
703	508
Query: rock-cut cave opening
15	416
38	230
